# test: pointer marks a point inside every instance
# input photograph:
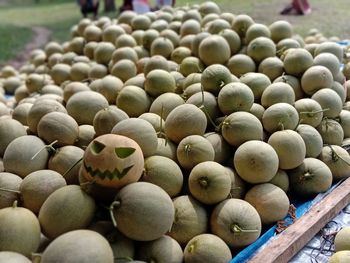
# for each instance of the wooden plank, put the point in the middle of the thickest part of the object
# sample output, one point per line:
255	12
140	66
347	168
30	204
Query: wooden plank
284	246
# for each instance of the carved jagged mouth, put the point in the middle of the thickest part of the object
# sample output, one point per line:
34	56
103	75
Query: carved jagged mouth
116	174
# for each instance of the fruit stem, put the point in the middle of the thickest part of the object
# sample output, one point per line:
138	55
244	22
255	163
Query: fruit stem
86	185
187	149
336	157
219	127
307	175
36	257
312	113
191	248
236	229
10	190
205	109
280	124
48	147
111	208
161	119
160	133
203	181
281	51
71	168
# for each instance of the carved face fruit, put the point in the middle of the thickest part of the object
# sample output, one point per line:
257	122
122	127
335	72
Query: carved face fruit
113	160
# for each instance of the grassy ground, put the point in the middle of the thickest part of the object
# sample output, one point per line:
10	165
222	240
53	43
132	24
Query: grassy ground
11	43
59	15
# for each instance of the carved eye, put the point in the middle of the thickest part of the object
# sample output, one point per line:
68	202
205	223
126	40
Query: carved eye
124	152
97	147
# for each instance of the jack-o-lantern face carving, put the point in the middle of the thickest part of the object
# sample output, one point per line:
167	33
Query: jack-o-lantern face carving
112	160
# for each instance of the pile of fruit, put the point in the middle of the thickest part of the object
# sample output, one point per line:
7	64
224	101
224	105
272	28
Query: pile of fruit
171	136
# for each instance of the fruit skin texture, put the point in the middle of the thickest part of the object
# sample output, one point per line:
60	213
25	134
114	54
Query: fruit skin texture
310	178
13	257
337	159
161	250
231	218
68	208
143	211
312	139
207	248
58	126
139	130
87	102
159	81
297	61
185	120
82	246
163	172
316	78
193	150
270	201
22	150
340	257
36	187
19	230
256	161
290	148
209	182
261	48
342	239
214	77
10	129
191	219
208	50
240	127
280	116
12	182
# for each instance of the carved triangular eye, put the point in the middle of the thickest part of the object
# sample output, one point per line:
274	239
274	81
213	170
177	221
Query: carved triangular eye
124	152
97	147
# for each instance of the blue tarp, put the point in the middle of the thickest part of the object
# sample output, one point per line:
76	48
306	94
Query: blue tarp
249	251
301	208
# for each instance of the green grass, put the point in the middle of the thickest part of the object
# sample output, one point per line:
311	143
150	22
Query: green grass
11	43
60	15
56	17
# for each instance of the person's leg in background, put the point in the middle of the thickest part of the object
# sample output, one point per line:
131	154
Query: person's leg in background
297	7
302	6
83	10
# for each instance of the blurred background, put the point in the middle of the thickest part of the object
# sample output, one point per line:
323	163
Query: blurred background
18	17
